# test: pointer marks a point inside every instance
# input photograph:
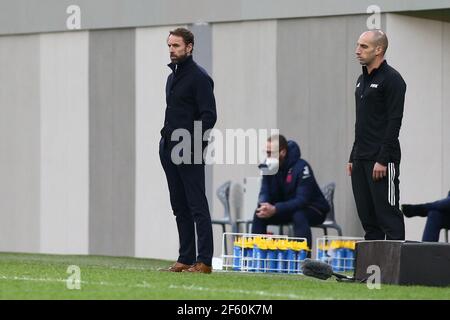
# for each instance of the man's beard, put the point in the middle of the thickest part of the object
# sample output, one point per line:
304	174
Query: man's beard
179	58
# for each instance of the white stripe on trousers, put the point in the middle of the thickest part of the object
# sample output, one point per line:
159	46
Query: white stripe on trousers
391	184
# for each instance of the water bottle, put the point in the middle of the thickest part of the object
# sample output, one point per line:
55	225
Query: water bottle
271	257
335	255
248	254
282	257
291	256
237	255
259	254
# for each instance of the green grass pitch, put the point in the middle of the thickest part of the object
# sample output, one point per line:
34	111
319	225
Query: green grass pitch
36	276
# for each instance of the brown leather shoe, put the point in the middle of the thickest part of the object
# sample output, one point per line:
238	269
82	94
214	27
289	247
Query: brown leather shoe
199	267
176	267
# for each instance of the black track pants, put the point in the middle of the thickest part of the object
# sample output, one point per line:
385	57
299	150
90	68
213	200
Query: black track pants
377	202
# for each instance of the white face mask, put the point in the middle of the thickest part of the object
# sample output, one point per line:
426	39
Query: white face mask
270	166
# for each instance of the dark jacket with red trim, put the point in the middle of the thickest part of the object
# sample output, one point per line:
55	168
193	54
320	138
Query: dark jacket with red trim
293	187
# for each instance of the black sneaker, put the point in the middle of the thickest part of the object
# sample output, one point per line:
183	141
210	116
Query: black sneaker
414	210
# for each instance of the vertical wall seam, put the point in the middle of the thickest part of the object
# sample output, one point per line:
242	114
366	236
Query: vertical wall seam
39	77
442	108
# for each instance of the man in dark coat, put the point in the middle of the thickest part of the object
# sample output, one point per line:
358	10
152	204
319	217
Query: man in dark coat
190	101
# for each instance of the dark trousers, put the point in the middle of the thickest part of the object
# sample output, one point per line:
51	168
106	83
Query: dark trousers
302	219
189	204
438	218
377	202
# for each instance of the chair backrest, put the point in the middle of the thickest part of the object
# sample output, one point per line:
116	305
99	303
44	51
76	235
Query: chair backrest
236	200
223	193
328	192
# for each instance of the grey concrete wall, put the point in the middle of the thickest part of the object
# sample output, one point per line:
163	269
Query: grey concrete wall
19	144
156	231
424	136
27	16
445	107
112	142
64	171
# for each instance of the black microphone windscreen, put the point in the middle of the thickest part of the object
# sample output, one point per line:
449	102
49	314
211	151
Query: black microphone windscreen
316	269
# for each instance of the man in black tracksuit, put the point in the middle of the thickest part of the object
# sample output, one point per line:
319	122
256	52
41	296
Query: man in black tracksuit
189	98
375	158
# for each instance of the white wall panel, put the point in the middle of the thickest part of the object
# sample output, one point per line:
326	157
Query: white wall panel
64	113
415	50
156	231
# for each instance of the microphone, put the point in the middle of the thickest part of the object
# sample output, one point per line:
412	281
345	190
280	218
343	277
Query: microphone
322	270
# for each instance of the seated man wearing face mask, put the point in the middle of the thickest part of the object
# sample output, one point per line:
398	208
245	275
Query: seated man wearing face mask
289	191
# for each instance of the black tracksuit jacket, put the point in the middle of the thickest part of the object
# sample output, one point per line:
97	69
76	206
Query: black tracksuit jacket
380	98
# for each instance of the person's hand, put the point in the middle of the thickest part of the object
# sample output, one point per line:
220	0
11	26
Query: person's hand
349	168
266	210
379	171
